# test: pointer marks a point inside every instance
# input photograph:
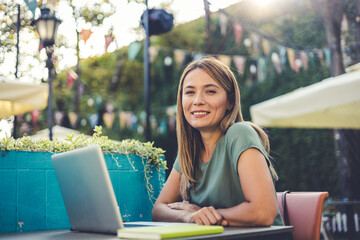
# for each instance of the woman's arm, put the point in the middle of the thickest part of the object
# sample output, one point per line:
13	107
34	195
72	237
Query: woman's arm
260	207
167	207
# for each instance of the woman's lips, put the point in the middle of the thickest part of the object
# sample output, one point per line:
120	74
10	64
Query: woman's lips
199	113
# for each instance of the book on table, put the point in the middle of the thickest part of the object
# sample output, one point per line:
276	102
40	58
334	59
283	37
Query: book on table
170	231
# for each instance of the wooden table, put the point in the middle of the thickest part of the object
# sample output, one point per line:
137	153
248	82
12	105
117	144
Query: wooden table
273	232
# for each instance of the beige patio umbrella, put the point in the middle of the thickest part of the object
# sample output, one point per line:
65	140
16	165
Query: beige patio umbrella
18	97
331	103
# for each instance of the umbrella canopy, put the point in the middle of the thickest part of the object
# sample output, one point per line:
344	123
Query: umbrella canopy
58	131
18	97
330	103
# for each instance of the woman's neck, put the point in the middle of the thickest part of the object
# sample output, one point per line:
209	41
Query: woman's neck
209	140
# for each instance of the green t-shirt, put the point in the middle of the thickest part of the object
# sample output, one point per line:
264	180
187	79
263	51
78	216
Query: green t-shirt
219	184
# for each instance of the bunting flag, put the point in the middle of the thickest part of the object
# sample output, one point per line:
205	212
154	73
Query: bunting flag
85	34
223	19
225	59
109	119
108	39
344	24
304	59
282	52
256	43
73	117
153	52
328	56
239	62
238	31
41	46
266	46
31	4
179	56
133	50
197	55
59	117
275	58
93	119
297	65
261	69
122	119
291	57
35	114
71	76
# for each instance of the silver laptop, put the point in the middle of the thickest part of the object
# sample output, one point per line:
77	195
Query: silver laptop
88	193
87	190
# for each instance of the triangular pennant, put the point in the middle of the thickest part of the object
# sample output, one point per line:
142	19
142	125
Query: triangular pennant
122	119
35	114
133	50
328	56
59	116
238	31
255	43
179	56
93	119
304	59
282	54
261	69
73	117
31	5
153	52
345	24
71	76
225	59
266	46
197	55
239	62
275	58
223	19
291	57
41	46
108	39
85	34
109	119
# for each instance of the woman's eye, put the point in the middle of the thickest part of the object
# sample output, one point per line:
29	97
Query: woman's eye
211	91
189	92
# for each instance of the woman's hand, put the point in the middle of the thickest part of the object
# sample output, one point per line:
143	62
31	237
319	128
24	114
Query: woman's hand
207	216
184	206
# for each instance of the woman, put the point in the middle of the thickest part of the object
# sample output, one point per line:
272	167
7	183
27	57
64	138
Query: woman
222	175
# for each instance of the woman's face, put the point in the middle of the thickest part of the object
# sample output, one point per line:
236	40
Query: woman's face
204	101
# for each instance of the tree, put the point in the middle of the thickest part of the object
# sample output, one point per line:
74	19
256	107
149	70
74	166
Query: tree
347	141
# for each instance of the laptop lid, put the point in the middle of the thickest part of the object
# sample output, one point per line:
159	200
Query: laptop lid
87	190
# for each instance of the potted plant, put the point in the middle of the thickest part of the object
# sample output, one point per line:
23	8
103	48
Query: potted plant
30	198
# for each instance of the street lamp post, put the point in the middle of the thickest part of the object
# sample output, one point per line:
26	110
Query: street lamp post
46	25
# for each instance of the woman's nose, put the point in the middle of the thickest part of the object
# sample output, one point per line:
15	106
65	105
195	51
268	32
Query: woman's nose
199	99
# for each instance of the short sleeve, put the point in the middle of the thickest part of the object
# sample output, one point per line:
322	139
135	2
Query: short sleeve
240	137
176	165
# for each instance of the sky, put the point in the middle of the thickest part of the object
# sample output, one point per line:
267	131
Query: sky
126	18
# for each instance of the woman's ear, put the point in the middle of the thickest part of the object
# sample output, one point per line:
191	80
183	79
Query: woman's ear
229	106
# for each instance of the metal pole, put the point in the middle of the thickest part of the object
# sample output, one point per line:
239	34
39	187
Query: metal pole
50	67
147	73
17	61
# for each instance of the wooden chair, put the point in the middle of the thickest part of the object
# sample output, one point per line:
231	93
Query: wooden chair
303	210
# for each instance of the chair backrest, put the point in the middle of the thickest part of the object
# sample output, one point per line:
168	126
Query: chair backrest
304	212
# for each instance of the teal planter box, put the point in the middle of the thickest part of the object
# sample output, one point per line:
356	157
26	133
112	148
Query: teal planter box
30	198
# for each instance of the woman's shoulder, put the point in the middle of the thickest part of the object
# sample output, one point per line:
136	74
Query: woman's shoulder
240	127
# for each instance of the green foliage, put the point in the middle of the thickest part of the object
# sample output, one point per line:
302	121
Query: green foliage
146	151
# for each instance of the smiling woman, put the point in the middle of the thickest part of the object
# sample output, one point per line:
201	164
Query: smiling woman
222	174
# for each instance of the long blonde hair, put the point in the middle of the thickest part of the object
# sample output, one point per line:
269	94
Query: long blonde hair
189	139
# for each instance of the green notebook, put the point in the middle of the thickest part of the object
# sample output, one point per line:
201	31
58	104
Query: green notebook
170	231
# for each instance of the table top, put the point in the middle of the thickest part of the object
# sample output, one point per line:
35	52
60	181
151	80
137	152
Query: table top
344	202
273	232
